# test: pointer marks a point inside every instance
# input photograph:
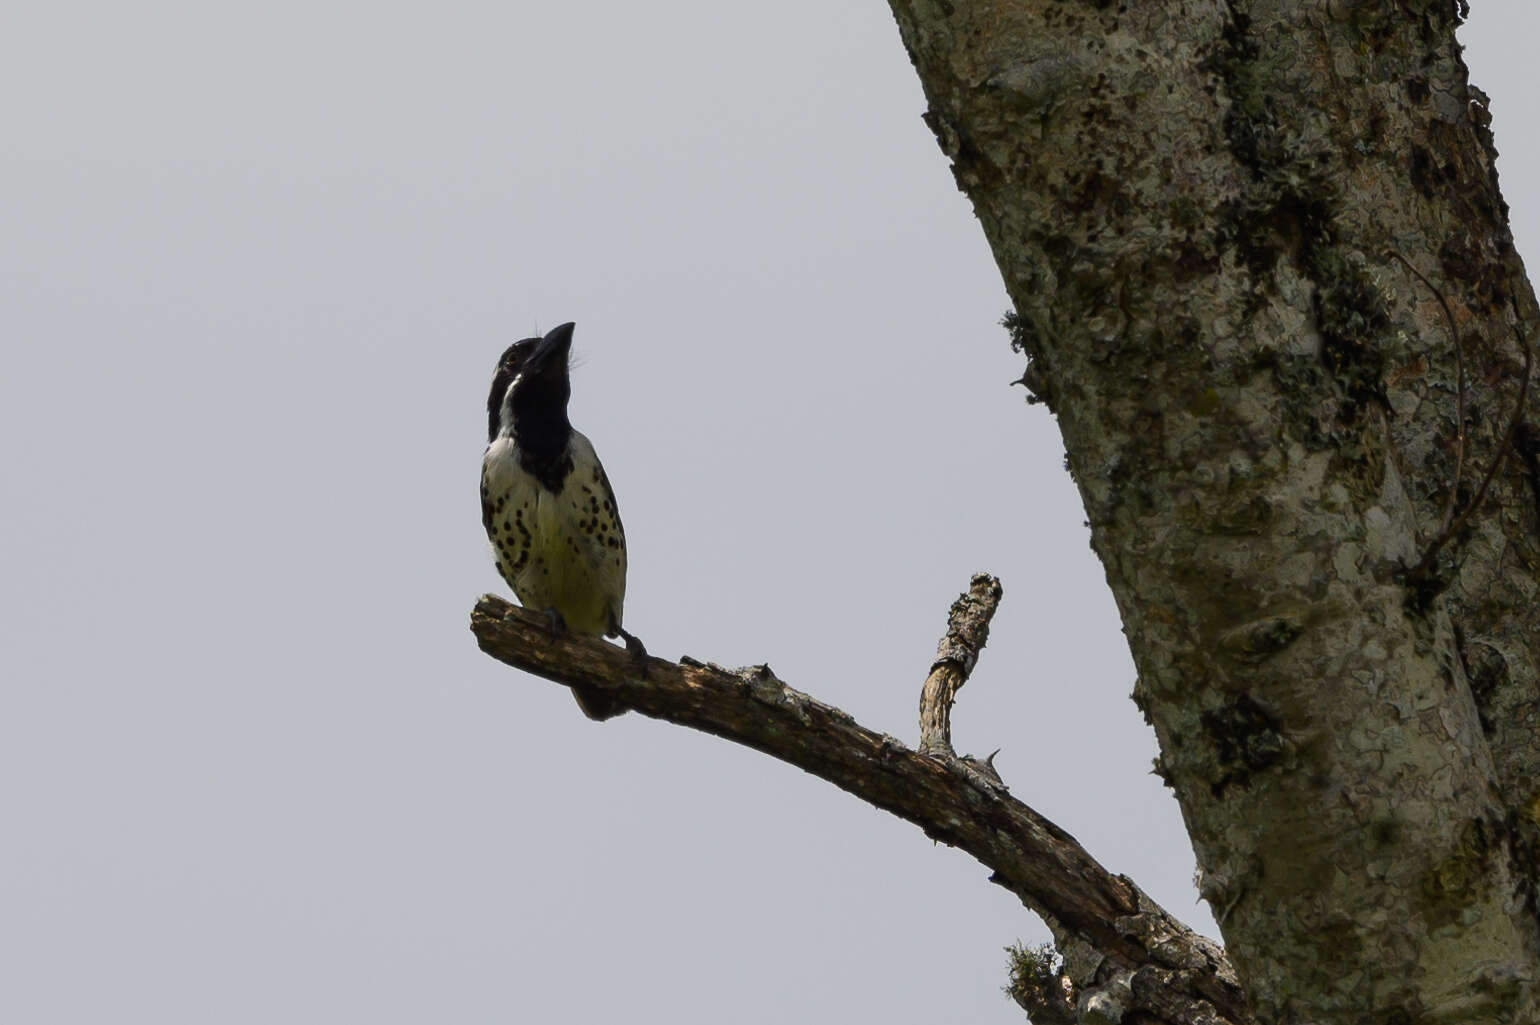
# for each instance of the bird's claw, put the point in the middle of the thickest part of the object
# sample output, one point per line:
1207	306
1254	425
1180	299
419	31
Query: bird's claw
637	650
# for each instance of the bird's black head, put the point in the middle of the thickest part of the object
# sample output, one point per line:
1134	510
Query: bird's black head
530	390
509	364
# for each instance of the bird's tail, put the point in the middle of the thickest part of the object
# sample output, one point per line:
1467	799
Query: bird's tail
598	705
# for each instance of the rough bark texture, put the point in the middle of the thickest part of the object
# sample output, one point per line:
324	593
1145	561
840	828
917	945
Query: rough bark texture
967	631
1193	203
1124	957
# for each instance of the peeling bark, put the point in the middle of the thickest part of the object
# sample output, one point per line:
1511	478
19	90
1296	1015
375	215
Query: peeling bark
1193	204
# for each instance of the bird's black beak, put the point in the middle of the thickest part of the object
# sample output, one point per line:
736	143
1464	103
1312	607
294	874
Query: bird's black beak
553	348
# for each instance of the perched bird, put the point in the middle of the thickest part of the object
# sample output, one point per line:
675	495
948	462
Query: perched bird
547	505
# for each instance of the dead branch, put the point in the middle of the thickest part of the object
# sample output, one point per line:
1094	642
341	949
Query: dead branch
967	631
1122	952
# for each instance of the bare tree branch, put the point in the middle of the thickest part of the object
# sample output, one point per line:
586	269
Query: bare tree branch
1123	952
967	631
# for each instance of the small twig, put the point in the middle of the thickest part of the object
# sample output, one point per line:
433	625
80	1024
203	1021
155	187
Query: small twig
1454	528
967	631
1459	363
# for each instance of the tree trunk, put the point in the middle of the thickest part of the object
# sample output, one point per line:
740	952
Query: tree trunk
1224	227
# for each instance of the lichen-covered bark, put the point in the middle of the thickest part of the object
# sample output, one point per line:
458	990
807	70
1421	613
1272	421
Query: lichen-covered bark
1193	205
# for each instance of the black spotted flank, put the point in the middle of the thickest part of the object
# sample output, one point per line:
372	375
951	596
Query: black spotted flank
487	509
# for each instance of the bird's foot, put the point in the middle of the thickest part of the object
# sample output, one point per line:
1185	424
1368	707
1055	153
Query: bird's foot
637	650
553	621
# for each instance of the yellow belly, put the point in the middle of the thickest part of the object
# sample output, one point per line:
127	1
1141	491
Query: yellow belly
560	550
560	574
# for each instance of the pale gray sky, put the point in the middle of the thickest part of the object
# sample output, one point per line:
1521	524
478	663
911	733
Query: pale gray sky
258	263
